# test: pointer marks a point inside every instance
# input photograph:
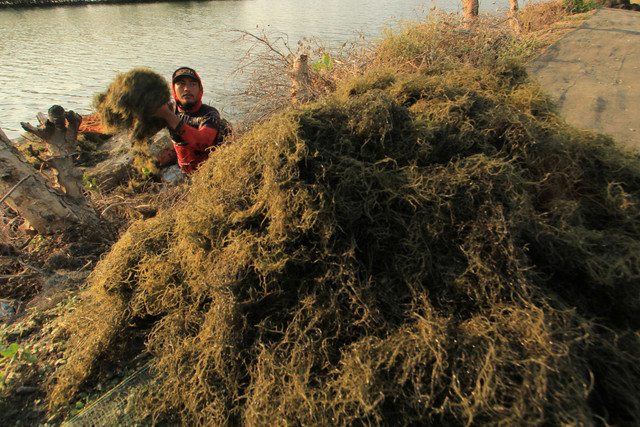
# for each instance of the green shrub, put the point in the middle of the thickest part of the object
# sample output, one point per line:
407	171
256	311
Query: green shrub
581	6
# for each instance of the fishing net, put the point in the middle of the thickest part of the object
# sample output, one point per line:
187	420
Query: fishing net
118	405
435	247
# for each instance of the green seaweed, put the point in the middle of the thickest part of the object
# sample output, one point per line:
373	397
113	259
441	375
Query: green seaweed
129	104
422	247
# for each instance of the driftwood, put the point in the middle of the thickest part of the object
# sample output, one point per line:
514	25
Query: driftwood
46	207
62	141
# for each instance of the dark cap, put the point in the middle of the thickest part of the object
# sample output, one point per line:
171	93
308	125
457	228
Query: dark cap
184	72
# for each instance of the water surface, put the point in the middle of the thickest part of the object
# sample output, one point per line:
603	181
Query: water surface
66	55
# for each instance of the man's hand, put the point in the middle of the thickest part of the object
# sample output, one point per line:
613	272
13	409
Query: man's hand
165	113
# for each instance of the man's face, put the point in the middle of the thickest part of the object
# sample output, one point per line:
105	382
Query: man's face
187	90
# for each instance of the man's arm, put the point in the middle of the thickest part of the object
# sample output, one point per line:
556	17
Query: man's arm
197	139
165	113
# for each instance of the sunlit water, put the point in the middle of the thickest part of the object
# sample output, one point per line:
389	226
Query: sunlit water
66	55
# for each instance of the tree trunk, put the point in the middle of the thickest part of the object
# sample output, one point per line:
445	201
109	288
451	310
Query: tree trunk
470	10
44	207
513	16
301	80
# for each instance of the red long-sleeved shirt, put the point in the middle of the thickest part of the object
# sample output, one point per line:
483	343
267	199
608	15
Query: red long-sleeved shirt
195	135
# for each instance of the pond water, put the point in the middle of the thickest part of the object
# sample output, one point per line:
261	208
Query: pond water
66	55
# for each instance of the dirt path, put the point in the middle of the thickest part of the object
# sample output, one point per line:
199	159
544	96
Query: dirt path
593	73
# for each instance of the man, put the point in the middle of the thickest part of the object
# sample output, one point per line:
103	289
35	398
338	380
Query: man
193	126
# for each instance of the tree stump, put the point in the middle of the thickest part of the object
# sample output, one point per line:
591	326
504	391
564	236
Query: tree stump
513	16
62	141
47	208
470	9
301	80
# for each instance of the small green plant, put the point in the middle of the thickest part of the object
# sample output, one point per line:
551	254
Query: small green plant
77	408
325	63
38	243
146	172
37	239
580	6
521	48
9	356
89	185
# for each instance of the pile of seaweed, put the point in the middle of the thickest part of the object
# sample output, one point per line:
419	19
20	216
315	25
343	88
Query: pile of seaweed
433	247
128	104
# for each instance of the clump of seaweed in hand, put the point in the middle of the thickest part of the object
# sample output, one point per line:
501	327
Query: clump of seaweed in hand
129	103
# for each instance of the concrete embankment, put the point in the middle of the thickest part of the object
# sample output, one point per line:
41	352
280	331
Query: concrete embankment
592	73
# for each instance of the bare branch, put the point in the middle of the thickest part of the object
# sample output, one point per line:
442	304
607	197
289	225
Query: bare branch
14	187
25	265
264	40
4	138
34	130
